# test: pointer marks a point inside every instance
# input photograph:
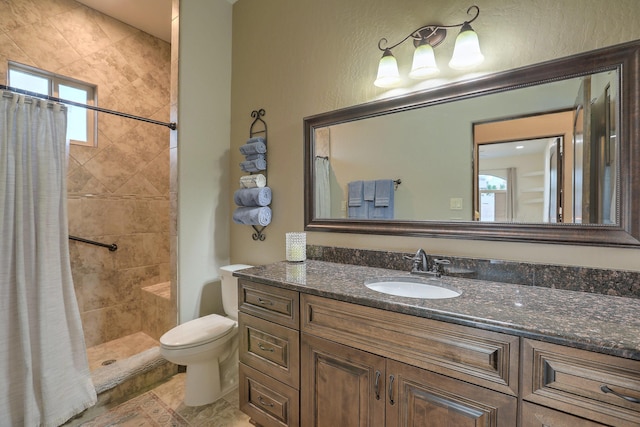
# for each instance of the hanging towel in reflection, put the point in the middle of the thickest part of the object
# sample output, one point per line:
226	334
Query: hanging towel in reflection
255	145
252	216
253	181
253	165
383	203
369	191
252	196
357	207
355	193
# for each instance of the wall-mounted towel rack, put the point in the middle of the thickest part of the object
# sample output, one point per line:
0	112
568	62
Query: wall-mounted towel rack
112	247
257	211
396	182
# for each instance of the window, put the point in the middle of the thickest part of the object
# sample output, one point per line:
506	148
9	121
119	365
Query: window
493	200
82	124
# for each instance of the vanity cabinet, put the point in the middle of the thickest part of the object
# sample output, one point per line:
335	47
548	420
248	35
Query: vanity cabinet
269	371
344	386
312	361
572	381
354	371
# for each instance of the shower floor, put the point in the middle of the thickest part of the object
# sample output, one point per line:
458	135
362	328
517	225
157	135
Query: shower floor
118	349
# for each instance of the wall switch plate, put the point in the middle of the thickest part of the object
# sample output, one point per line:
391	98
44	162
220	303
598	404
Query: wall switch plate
455	203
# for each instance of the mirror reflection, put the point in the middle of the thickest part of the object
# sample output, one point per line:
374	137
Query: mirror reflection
538	154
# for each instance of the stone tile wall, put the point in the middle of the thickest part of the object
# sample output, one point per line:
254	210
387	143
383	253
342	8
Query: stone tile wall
118	191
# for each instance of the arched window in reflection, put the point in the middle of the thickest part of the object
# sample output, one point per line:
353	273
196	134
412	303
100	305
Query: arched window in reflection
493	196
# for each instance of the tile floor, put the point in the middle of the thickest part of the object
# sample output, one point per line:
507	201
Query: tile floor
222	413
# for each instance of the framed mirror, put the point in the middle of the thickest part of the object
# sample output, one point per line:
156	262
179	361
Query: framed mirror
446	162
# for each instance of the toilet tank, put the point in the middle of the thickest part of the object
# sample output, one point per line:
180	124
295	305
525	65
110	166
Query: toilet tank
230	289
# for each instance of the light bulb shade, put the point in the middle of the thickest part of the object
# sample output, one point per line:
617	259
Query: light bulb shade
388	75
466	53
424	63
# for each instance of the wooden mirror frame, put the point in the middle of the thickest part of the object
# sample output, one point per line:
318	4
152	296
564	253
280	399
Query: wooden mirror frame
624	58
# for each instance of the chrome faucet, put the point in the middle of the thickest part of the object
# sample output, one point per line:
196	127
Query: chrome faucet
420	264
419	261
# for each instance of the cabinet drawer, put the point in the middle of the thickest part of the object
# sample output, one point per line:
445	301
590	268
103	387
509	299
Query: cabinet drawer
267	401
270	348
277	305
485	358
571	380
539	416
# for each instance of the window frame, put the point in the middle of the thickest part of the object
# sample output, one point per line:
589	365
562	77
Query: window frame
54	82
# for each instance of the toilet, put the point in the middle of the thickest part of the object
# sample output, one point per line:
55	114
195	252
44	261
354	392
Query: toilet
208	347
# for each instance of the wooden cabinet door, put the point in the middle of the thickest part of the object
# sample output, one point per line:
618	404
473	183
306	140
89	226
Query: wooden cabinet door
421	398
340	385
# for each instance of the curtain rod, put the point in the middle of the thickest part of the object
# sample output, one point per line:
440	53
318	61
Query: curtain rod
171	125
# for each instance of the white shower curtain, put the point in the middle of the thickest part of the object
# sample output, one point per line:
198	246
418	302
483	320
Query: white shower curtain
44	372
323	188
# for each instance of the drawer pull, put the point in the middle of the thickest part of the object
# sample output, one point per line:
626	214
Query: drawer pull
263	348
264	403
606	389
391	378
265	301
377	386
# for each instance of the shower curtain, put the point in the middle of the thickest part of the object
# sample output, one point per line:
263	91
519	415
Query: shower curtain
45	374
323	188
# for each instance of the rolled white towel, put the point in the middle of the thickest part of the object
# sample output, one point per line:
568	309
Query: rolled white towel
252	196
252	216
253	181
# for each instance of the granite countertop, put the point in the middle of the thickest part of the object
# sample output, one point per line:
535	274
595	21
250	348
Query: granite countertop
595	322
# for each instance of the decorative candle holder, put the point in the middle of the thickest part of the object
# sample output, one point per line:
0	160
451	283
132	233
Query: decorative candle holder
296	250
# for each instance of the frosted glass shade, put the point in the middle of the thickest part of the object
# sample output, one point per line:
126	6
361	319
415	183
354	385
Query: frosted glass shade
388	75
466	53
424	63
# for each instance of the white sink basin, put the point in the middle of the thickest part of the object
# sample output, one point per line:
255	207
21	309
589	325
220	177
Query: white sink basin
412	288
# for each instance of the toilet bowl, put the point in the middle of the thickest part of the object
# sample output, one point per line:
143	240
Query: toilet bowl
208	347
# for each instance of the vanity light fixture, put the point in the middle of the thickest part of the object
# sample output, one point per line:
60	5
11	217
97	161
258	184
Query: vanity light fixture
466	53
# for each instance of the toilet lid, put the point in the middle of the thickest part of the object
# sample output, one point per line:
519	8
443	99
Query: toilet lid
198	331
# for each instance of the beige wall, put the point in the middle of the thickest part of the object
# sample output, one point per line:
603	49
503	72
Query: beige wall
204	97
119	190
296	59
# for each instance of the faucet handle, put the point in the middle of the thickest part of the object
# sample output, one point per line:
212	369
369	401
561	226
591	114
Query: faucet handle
438	265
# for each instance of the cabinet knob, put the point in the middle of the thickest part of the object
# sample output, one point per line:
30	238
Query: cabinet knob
264	301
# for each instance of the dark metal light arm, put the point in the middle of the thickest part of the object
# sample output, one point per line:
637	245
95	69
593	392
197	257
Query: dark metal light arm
434	34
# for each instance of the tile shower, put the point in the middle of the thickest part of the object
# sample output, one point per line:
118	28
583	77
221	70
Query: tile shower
118	191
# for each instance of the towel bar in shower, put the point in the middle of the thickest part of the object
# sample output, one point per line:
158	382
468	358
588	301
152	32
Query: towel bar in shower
112	247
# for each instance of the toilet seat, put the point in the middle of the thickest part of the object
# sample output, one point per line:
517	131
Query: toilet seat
198	331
